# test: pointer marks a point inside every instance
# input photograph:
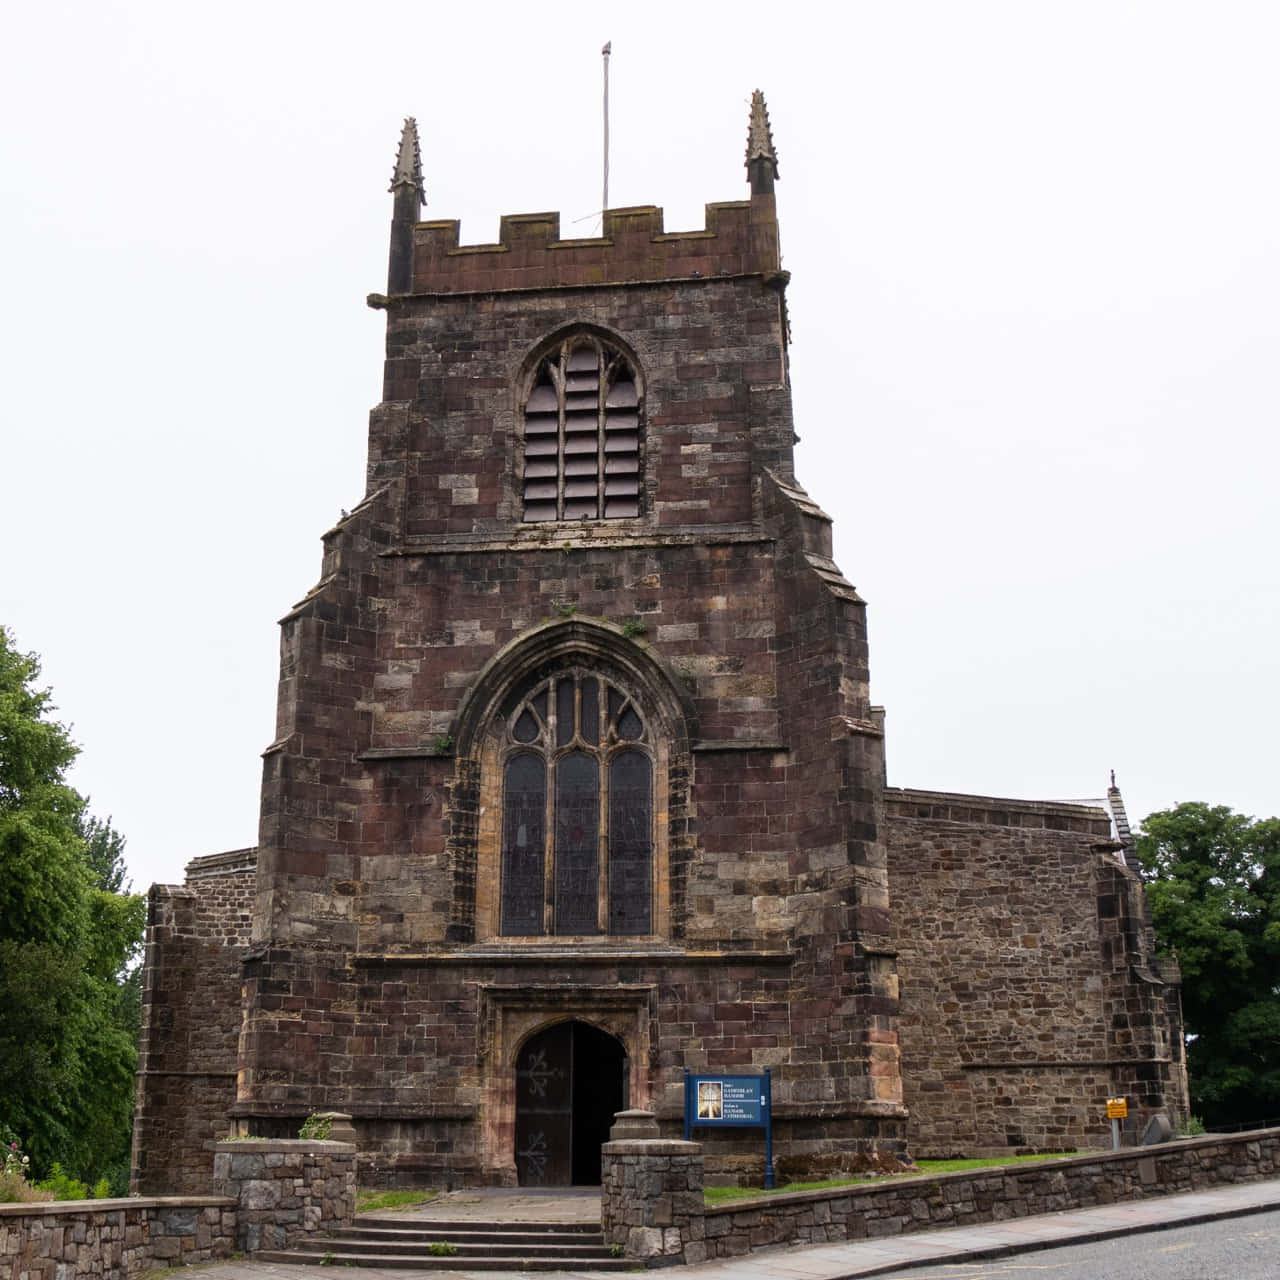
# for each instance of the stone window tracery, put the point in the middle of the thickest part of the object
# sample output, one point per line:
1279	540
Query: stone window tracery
577	810
582	434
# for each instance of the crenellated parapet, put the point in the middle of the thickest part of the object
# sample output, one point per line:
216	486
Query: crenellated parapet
740	239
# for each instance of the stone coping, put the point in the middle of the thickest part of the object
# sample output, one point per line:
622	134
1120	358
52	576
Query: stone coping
220	863
1088	812
41	1208
321	1146
1028	1168
650	1147
360	1110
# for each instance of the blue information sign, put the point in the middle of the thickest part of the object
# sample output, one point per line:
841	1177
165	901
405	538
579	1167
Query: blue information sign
726	1101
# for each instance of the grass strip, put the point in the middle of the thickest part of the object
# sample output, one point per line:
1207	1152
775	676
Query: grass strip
371	1201
923	1169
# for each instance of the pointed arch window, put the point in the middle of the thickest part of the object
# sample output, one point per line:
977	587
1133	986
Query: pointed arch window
582	435
577	810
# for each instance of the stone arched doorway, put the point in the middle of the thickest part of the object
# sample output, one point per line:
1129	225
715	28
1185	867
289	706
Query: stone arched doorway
570	1081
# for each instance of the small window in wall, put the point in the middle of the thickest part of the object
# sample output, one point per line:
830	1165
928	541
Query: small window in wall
577	811
582	435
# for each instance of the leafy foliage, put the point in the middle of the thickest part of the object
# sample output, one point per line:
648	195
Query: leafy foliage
103	853
69	939
1215	903
62	1187
316	1127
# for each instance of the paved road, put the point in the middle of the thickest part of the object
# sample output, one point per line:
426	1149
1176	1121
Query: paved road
1234	1249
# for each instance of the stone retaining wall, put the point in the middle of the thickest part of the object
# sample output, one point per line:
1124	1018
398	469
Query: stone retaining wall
286	1189
271	1195
640	1212
989	1195
111	1239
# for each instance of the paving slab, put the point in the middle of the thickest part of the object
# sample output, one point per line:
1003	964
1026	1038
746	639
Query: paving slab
502	1204
848	1261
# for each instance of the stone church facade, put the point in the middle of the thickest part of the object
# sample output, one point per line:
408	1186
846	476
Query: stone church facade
577	781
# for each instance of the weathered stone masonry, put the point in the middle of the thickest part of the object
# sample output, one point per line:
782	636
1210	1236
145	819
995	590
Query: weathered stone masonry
196	936
1029	990
270	1195
380	978
652	1202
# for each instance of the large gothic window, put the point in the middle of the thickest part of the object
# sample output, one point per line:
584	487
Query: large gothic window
577	810
582	435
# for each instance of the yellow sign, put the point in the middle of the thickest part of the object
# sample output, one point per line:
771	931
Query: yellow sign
1117	1108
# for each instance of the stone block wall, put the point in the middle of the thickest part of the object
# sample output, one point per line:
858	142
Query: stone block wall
196	935
869	1211
271	1194
651	1200
418	1049
1029	990
652	1203
715	401
112	1239
286	1190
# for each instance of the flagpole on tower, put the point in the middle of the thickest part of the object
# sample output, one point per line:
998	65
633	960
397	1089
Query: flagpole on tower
605	52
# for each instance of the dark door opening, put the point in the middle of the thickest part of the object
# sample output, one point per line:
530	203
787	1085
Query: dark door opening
570	1082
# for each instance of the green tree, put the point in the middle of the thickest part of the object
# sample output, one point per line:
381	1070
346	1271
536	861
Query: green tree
1214	889
103	853
68	939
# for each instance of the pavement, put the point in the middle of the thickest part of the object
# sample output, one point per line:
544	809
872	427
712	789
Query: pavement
502	1204
812	1262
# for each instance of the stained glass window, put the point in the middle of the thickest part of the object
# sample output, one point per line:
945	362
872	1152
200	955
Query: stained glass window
577	810
630	843
577	845
523	844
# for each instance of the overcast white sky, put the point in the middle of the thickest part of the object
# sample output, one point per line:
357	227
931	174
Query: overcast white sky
1035	256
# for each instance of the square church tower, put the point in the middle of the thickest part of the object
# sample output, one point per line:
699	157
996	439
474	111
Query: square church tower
577	782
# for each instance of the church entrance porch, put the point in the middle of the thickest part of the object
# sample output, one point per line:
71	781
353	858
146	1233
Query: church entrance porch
571	1079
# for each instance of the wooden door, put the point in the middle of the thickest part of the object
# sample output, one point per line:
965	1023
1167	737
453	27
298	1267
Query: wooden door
570	1082
544	1109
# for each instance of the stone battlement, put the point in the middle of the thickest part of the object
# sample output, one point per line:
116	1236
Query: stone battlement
740	238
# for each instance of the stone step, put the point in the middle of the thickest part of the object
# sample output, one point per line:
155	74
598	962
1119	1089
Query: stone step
397	1242
513	1246
472	1226
472	1237
430	1262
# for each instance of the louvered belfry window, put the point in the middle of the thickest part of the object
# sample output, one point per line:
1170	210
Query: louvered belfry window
582	435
